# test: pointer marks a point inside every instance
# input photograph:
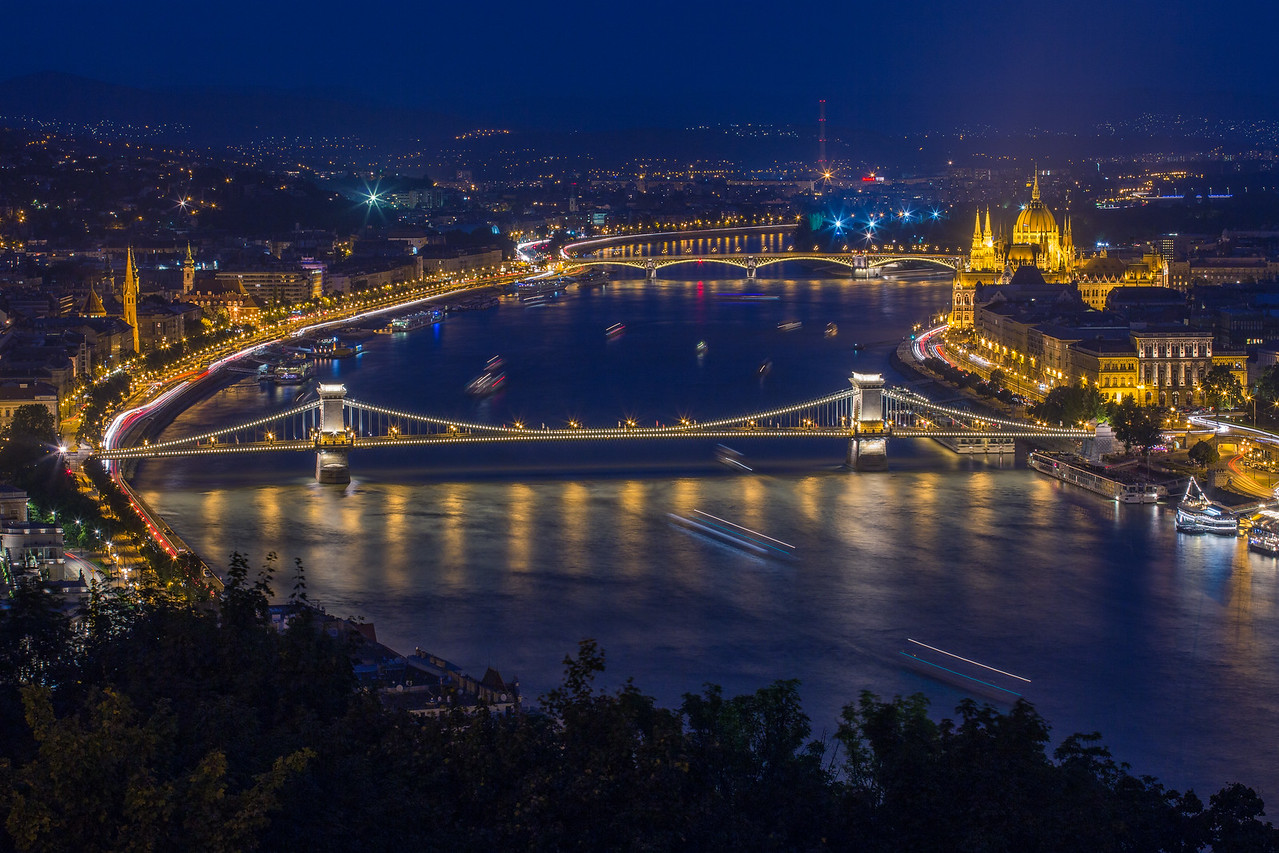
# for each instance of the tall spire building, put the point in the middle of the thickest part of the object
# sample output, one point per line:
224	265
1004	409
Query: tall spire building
131	298
1036	241
188	272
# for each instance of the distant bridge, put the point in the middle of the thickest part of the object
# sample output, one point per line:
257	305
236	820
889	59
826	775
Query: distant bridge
867	415
622	252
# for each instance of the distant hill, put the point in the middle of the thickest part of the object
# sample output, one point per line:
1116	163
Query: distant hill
215	116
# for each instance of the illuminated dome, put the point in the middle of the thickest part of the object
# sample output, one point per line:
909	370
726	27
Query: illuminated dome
1035	220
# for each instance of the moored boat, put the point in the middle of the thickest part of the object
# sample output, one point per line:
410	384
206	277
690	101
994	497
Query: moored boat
412	321
1080	472
1264	535
1197	514
337	348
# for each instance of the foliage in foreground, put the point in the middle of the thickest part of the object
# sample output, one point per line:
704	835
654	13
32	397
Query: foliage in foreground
159	725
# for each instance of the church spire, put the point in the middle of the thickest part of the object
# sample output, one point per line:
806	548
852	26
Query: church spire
988	235
188	272
1034	193
977	228
131	298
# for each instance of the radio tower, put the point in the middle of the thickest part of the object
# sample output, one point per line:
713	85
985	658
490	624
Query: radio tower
821	137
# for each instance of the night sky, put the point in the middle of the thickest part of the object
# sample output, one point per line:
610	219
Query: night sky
888	64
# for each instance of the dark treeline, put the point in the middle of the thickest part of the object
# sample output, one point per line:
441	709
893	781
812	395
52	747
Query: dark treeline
158	725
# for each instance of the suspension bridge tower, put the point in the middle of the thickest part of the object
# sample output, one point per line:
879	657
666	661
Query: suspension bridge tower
868	441
333	441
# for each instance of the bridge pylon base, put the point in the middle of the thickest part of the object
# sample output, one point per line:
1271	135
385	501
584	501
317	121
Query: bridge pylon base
332	467
867	454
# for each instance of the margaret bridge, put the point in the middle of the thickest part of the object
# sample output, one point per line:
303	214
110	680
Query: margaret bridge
747	248
866	415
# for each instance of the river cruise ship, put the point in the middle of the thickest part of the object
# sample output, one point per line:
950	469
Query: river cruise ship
1103	481
1197	514
1264	535
412	321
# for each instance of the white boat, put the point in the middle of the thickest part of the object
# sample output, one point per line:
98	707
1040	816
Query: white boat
702	347
1197	514
614	330
789	325
294	373
412	321
1102	481
1264	535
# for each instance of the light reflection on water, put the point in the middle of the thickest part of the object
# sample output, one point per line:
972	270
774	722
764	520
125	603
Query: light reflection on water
1164	643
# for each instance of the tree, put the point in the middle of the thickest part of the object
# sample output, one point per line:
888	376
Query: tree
1204	454
1068	405
29	455
1267	387
1221	388
1134	425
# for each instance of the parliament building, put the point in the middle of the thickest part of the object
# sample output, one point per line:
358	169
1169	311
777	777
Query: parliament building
1028	303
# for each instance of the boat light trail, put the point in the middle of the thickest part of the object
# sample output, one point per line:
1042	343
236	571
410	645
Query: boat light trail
745	529
960	674
966	660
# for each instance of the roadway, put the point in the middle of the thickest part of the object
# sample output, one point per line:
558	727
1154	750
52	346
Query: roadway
167	388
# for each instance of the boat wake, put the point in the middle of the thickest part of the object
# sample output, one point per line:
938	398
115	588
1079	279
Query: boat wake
725	532
964	673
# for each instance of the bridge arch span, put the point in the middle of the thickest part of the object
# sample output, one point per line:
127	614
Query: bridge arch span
947	262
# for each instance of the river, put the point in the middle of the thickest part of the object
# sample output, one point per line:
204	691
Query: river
507	556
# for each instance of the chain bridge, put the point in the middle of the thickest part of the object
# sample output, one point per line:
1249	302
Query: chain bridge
866	415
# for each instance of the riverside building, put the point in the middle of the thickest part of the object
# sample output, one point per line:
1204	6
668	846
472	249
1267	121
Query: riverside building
1028	304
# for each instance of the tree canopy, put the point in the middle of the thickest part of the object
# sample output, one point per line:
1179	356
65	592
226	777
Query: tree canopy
1221	388
1134	425
1068	405
1204	453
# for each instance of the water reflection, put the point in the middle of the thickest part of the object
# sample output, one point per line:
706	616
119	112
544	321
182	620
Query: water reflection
1165	643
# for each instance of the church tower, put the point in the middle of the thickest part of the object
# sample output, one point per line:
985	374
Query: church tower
131	298
1068	247
188	272
983	255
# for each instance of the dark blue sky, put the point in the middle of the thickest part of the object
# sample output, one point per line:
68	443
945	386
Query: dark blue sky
886	64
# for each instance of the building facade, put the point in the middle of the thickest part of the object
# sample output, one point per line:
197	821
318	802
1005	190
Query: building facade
1172	362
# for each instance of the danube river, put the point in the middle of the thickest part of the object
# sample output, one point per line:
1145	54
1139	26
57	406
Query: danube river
507	556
